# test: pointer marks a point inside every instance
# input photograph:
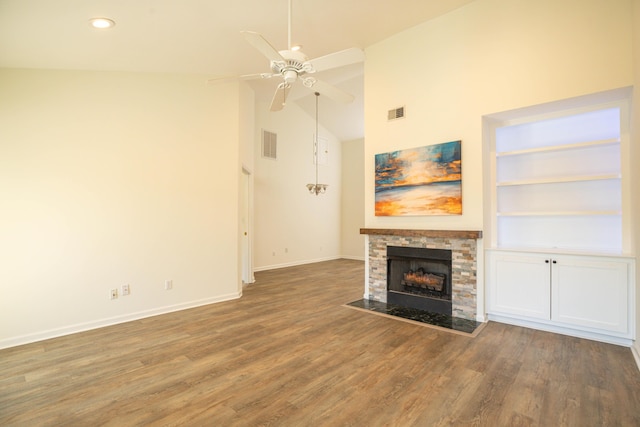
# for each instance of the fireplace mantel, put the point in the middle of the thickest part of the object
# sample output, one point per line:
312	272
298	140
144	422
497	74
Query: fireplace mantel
446	234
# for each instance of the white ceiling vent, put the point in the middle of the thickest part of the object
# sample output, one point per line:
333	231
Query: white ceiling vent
269	144
396	113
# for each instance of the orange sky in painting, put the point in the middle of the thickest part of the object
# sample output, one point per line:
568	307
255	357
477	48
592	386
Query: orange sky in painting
443	205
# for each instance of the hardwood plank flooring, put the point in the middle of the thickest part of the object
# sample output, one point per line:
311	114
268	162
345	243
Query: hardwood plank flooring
288	353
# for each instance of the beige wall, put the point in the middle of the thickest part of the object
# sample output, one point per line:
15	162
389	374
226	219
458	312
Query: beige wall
487	57
352	242
110	179
292	226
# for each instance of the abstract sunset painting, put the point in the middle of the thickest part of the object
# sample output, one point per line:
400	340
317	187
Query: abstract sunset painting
419	181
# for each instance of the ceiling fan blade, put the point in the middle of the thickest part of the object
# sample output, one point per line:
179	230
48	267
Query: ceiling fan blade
280	97
331	91
219	80
337	59
258	76
228	79
262	45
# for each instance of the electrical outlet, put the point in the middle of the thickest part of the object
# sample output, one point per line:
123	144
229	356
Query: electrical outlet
113	294
168	285
126	290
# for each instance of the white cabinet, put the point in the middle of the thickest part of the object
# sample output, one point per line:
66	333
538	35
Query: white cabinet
520	285
591	294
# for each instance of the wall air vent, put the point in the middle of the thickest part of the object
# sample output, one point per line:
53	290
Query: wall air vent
396	113
269	145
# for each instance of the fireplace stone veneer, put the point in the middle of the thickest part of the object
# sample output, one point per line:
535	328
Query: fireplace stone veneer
463	247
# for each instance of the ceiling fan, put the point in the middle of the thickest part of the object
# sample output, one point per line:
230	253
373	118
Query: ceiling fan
291	65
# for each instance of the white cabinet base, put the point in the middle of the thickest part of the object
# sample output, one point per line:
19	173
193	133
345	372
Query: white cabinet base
555	328
584	296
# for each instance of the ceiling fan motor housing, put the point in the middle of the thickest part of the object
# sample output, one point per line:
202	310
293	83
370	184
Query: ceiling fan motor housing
295	64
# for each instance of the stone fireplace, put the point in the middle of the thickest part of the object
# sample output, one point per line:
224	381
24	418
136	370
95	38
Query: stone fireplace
443	282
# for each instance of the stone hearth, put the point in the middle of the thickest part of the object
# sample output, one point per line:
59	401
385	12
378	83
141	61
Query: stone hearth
463	245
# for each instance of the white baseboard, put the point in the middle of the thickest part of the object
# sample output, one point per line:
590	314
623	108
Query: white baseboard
602	337
481	318
636	353
354	258
295	263
101	323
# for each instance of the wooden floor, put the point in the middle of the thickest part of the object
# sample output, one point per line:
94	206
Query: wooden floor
288	353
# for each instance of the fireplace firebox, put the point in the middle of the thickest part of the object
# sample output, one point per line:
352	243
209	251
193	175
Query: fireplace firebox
419	278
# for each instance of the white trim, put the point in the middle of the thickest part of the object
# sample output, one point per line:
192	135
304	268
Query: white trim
354	258
245	237
636	353
367	267
601	337
110	321
295	263
550	109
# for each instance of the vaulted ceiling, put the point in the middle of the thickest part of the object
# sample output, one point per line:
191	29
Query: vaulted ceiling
203	37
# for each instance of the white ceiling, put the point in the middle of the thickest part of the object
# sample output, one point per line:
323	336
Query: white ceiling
203	36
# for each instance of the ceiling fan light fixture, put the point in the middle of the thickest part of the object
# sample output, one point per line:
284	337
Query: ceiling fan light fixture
296	47
102	23
290	76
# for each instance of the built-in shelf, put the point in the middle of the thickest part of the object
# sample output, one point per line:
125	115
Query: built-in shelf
557	182
560	179
561	147
559	213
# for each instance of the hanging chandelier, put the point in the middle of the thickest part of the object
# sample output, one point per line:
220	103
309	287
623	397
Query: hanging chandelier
316	188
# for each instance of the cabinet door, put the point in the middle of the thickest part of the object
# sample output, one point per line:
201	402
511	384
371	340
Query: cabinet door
591	293
520	284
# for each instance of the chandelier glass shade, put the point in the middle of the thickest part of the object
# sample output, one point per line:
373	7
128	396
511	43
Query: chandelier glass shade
317	188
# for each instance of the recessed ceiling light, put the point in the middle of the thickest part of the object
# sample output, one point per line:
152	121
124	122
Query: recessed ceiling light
102	23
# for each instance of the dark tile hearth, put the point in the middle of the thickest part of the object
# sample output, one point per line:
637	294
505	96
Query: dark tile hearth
435	319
